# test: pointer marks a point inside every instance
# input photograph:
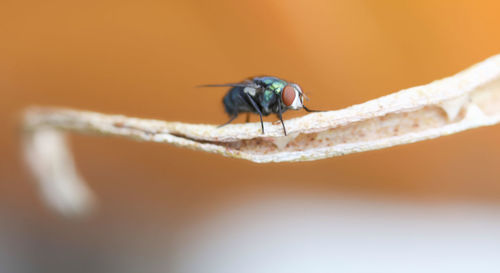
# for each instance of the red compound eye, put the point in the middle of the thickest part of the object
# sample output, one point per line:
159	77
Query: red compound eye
288	95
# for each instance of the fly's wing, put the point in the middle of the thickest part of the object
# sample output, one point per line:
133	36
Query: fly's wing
249	86
248	83
224	85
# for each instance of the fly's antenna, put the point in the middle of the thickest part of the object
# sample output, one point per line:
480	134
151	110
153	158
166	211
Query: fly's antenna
305	96
307	99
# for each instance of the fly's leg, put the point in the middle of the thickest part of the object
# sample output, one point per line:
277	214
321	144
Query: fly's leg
280	116
311	110
230	120
248	118
258	111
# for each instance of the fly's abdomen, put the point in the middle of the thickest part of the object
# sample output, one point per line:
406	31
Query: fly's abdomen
235	102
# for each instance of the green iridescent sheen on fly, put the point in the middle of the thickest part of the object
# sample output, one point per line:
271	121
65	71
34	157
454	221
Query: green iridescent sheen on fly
277	86
262	95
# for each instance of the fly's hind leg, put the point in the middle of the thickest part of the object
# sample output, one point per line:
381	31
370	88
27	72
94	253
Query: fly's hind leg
248	118
230	120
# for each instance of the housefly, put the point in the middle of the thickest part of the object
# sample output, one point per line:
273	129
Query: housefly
262	95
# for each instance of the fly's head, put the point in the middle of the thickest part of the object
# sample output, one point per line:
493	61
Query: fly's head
292	96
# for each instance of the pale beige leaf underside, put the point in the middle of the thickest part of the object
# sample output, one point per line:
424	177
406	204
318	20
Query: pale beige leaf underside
466	100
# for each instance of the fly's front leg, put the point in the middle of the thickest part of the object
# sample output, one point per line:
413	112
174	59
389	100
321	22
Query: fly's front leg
280	116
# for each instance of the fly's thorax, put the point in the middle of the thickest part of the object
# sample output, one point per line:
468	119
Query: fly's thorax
267	100
277	86
268	96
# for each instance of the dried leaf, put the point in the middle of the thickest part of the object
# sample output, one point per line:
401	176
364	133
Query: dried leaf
466	100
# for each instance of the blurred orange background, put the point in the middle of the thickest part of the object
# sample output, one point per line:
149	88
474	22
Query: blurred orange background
144	59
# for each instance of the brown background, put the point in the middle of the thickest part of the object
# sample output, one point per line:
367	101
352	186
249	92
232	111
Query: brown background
143	58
